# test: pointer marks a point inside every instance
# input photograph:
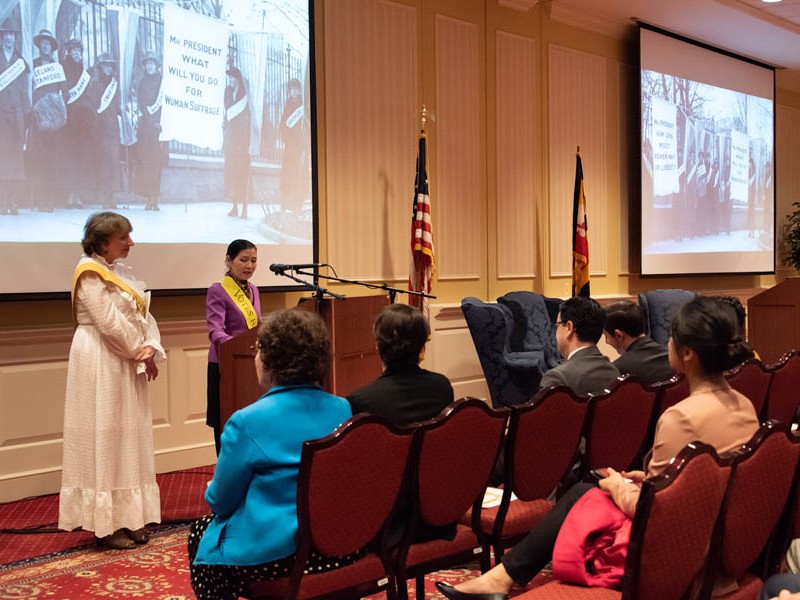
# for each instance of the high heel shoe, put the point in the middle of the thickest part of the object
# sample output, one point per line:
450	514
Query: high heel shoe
139	536
117	540
450	592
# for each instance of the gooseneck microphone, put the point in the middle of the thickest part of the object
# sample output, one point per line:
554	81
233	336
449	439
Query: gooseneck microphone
280	268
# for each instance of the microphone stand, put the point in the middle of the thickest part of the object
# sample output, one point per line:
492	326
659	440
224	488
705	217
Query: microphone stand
318	290
393	291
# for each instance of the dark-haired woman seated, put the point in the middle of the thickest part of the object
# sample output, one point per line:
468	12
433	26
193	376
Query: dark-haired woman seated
405	393
705	343
251	533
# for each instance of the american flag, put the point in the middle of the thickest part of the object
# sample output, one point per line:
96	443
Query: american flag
423	266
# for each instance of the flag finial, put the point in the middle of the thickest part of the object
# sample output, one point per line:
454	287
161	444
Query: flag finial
579	150
423	117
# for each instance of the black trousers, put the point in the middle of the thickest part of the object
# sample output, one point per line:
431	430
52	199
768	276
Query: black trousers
212	402
535	550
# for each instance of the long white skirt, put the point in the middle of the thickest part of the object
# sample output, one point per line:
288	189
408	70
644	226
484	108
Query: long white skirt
108	479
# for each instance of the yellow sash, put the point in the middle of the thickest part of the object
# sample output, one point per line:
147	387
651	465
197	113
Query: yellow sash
241	301
111	278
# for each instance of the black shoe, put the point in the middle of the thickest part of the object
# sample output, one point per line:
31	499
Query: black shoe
450	592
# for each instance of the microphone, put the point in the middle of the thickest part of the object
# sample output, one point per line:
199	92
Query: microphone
279	268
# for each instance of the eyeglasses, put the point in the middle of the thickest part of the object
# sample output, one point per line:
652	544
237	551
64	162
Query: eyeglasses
255	348
561	323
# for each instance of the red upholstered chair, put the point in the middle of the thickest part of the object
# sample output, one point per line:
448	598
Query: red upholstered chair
618	424
347	486
671	530
751	379
451	463
540	448
760	486
669	393
784	390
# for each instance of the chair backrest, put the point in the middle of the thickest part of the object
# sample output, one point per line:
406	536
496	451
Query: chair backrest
490	328
784	389
669	393
761	483
454	458
542	441
618	424
347	485
751	379
532	327
673	524
659	307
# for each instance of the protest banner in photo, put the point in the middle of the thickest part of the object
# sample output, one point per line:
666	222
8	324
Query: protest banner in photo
193	85
665	160
740	165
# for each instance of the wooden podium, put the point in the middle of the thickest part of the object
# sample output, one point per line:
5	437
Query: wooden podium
355	358
349	321
238	385
773	320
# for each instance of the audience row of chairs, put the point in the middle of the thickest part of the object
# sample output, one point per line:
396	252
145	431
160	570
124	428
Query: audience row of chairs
706	520
349	481
347	488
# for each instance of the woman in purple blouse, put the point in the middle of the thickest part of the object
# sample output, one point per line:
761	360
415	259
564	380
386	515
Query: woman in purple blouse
232	307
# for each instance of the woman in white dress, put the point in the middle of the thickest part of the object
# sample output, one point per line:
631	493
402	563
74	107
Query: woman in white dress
108	483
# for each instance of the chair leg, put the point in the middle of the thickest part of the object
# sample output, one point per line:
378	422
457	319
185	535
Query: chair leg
420	581
401	587
485	559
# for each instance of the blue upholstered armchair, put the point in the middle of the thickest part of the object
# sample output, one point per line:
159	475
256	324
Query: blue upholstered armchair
534	324
659	307
512	377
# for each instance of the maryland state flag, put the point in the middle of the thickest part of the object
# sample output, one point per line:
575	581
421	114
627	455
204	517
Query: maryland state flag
580	239
423	267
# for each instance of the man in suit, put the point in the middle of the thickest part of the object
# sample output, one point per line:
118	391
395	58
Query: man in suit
639	355
578	329
404	393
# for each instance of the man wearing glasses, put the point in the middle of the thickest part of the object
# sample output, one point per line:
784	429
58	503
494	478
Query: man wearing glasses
585	369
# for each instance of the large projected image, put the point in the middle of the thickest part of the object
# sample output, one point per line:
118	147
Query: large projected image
193	118
707	176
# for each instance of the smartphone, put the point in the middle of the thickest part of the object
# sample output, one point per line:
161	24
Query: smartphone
598	474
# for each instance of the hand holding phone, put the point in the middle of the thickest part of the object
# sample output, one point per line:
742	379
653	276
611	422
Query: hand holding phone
598	474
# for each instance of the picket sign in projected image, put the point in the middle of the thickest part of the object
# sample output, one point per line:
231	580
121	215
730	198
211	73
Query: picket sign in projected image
194	119
707	160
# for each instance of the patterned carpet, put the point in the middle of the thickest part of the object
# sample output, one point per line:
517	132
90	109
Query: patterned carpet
181	499
158	570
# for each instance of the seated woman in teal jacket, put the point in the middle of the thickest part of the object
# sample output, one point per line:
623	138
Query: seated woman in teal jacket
251	533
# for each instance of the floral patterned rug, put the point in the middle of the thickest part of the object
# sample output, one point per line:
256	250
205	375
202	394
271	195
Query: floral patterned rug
157	570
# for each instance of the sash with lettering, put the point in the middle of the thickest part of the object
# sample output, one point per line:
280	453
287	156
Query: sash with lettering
109	277
295	117
13	71
48	73
108	96
76	91
156	106
241	301
235	109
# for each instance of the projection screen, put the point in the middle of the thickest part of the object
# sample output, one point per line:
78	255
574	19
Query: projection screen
193	118
707	159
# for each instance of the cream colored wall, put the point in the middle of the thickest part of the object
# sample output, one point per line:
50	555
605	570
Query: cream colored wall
510	94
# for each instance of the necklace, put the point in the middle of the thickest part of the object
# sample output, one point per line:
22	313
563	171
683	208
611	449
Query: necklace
242	283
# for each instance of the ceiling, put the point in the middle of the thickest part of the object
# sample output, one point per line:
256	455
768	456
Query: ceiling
769	33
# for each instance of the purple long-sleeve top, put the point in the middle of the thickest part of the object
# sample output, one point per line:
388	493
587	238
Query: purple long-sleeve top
224	319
